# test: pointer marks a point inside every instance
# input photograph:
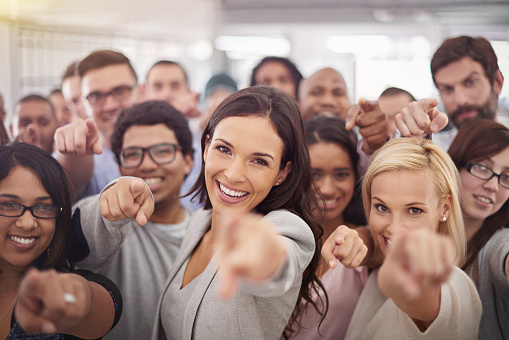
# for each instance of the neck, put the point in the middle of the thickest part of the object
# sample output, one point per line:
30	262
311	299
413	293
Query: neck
169	213
471	226
10	279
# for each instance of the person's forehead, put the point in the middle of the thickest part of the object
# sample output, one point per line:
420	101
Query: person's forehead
326	78
34	108
107	78
459	70
168	72
148	135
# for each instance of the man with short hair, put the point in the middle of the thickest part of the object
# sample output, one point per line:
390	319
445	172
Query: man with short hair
108	85
466	73
391	101
151	141
71	90
167	80
35	122
64	115
324	92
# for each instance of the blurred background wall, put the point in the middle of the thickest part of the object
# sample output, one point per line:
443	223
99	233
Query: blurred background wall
374	43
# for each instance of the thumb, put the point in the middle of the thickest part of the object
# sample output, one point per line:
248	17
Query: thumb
428	104
351	116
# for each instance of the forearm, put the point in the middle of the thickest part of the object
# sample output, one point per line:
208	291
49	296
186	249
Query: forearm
79	170
422	308
100	318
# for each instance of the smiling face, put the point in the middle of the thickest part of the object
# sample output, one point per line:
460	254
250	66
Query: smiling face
23	239
163	180
104	80
401	201
39	115
480	198
466	90
324	93
242	163
334	176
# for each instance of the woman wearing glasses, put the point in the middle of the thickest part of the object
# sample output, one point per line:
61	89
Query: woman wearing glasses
481	153
35	219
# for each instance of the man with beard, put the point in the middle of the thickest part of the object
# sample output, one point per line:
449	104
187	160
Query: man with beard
465	71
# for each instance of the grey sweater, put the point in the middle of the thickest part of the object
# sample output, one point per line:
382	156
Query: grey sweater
137	258
494	287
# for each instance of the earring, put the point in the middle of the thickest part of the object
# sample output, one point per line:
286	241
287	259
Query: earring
444	219
277	183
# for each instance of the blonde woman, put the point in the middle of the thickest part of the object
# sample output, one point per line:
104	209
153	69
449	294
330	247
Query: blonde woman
410	195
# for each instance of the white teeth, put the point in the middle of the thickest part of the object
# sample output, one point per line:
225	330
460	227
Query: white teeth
388	241
330	202
22	240
153	180
231	193
484	199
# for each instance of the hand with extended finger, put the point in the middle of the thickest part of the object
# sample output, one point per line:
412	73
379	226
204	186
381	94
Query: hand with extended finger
187	104
49	302
345	245
129	197
372	124
417	260
249	249
420	118
79	138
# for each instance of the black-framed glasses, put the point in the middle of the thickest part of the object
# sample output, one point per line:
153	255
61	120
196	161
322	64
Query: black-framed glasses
9	209
483	172
119	93
163	153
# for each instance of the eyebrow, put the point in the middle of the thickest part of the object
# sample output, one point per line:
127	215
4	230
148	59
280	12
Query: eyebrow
476	73
42	198
259	154
407	205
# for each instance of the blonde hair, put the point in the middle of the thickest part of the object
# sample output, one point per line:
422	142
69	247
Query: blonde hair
418	154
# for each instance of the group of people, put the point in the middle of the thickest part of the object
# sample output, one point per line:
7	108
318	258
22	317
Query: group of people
280	211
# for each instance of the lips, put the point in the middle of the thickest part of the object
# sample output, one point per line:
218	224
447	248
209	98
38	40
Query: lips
328	204
230	193
22	240
154	182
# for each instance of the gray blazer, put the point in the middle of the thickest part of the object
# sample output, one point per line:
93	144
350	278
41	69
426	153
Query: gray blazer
256	311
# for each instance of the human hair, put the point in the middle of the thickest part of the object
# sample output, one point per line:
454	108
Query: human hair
394	91
152	112
421	155
294	71
453	49
70	71
324	129
295	193
54	180
102	58
37	98
169	63
478	140
4	136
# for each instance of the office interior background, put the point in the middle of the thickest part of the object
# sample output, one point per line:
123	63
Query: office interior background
373	43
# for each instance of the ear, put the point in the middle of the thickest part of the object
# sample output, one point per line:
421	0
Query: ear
498	82
283	173
188	160
207	143
446	207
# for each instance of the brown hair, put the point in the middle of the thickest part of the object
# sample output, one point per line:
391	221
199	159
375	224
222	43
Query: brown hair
453	49
477	140
103	58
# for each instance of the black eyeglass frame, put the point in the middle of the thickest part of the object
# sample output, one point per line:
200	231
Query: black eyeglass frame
31	208
468	166
148	150
105	95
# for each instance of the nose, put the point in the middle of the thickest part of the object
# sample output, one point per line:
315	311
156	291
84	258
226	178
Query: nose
326	186
110	104
26	221
491	184
327	99
148	163
235	171
460	97
396	224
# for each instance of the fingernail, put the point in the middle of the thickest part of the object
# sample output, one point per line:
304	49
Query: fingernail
433	127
